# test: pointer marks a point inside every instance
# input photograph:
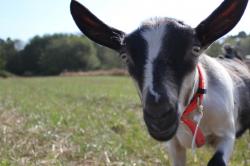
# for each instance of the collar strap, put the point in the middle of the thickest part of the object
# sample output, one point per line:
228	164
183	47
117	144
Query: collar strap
201	91
194	104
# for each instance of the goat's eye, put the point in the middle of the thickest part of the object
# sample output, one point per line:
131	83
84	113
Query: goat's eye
196	50
124	57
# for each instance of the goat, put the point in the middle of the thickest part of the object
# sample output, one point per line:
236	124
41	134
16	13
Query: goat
231	52
178	82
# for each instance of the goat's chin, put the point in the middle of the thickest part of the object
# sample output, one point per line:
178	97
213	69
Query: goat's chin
162	128
164	136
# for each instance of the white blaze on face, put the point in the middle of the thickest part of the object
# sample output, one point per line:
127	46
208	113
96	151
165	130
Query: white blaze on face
154	38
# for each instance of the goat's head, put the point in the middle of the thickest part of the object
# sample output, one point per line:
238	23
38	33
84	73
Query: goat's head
161	56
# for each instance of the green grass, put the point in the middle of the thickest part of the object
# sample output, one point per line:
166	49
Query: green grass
82	121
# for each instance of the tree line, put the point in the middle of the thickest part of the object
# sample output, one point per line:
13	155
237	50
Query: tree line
54	54
240	42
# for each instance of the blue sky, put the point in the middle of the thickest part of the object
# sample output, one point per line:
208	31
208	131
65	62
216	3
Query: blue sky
23	19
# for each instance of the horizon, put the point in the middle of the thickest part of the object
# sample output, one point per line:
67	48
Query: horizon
39	18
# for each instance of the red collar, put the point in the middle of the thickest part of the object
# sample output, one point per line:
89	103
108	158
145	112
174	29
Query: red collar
198	97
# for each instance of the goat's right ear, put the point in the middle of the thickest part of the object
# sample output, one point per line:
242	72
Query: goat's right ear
94	28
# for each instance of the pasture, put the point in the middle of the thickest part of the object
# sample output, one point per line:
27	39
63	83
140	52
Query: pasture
90	121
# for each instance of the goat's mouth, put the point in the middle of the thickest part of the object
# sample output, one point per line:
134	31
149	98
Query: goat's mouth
162	128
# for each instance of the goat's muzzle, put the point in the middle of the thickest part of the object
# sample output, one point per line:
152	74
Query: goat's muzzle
160	116
161	124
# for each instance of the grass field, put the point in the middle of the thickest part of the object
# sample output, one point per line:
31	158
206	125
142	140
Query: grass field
82	121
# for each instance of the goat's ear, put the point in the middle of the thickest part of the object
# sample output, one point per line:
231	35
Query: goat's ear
221	21
94	28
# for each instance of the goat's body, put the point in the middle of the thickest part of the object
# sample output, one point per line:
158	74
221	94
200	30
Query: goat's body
228	97
226	108
240	75
229	80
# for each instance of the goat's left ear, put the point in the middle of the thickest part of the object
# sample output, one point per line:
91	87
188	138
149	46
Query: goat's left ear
94	28
221	21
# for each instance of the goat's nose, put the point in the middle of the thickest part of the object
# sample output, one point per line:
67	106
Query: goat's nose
155	99
156	105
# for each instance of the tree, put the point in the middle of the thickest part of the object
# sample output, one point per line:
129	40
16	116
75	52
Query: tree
108	58
214	50
32	54
71	53
242	34
9	53
15	64
2	55
245	46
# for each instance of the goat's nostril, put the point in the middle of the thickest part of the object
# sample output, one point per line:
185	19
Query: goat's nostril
154	99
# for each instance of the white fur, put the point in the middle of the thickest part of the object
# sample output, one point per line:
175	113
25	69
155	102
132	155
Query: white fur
219	115
219	101
153	37
176	152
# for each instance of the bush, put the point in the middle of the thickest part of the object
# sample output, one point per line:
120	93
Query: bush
5	74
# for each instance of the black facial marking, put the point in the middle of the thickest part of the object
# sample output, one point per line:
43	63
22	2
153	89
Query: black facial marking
137	50
179	41
176	58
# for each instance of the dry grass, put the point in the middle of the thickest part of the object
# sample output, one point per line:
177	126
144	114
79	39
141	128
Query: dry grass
36	145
